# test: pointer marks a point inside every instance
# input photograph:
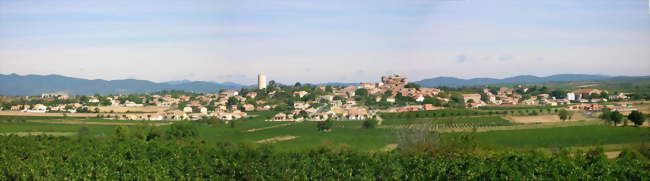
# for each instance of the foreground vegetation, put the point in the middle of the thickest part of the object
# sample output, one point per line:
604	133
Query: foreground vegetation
65	158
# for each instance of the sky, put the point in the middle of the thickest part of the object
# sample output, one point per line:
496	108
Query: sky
322	41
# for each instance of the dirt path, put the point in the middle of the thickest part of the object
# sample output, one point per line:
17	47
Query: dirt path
612	154
389	147
270	127
95	123
276	139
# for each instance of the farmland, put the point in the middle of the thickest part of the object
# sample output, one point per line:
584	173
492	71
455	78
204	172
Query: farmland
491	129
565	136
297	150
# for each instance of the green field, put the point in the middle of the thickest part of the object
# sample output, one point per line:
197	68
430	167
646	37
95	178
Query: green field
565	136
350	135
433	113
456	122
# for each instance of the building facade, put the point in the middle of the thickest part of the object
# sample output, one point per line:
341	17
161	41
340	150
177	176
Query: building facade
261	81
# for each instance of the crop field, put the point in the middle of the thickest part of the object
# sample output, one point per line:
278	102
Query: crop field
565	136
350	134
453	122
433	113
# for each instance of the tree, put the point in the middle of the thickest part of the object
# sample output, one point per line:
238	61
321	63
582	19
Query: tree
636	117
604	95
329	89
122	132
96	110
594	96
564	114
485	97
361	92
432	101
325	125
232	101
616	117
412	85
606	115
298	84
369	123
182	130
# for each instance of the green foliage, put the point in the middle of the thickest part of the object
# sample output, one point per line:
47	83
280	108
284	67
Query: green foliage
369	123
60	158
122	132
361	92
564	114
232	101
412	85
182	130
325	125
636	117
616	117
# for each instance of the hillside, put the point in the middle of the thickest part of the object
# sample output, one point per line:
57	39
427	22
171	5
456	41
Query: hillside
29	85
455	82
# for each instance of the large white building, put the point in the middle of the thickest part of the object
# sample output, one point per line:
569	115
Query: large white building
261	81
571	96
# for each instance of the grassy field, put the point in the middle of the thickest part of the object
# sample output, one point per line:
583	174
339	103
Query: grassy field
565	136
453	122
349	134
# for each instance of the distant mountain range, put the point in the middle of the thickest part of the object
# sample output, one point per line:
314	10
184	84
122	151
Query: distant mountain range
30	85
455	82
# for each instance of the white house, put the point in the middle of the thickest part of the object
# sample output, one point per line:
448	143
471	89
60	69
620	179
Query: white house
571	96
38	108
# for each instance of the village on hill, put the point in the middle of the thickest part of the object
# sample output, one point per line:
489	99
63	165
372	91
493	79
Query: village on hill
393	93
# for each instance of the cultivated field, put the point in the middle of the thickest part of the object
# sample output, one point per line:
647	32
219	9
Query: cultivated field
548	118
506	130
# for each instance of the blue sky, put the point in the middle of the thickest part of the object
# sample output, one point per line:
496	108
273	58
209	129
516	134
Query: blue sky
323	41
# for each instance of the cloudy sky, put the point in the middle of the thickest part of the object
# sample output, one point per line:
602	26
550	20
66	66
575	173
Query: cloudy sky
323	41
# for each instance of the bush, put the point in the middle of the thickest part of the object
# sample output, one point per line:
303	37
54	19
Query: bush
83	131
325	125
369	123
60	158
182	130
122	132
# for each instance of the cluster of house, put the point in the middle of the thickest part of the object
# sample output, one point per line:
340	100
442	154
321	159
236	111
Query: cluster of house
329	107
392	85
508	96
621	107
41	108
